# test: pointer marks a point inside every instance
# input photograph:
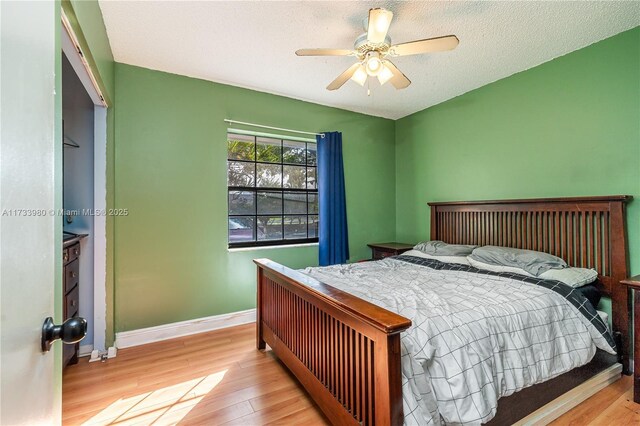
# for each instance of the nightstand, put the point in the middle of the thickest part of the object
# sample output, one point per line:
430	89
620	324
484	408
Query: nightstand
382	250
634	283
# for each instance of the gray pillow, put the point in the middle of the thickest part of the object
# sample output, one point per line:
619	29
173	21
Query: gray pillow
440	248
534	262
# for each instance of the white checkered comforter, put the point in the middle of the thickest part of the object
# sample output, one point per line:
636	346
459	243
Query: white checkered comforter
475	337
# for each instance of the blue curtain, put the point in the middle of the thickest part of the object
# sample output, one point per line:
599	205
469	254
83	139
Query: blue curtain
333	235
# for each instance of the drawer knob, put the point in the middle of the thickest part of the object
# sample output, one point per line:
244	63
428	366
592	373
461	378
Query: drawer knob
66	256
76	251
71	331
73	274
74	303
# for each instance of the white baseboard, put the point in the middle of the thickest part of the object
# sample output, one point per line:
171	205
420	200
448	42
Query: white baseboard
85	350
548	413
127	339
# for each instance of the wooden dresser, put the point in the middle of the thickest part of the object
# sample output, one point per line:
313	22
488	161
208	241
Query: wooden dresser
71	289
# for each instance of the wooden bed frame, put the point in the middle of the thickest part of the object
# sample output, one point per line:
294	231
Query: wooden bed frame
345	351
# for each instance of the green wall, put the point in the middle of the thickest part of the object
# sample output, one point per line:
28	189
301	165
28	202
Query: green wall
171	257
568	127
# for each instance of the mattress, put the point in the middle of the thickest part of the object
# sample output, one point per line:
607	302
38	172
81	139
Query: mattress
476	336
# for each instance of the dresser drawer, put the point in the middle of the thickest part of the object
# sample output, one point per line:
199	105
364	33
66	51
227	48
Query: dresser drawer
381	254
71	275
71	290
71	303
74	252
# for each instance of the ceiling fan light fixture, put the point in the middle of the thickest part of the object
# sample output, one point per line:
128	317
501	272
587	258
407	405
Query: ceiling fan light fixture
373	49
360	76
384	75
373	64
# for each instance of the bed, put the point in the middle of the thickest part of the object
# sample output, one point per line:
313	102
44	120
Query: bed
347	351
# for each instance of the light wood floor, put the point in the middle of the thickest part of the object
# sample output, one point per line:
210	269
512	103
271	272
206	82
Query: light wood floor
220	378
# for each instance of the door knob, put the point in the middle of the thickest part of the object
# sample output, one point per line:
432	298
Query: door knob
71	331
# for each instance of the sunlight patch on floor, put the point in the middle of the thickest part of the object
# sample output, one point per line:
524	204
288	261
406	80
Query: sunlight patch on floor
167	405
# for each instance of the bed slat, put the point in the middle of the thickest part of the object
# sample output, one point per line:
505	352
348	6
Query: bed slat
353	363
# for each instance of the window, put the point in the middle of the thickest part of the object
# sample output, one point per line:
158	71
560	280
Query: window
273	193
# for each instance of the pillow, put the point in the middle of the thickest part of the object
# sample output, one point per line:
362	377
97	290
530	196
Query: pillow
497	268
439	248
574	277
534	262
444	259
605	317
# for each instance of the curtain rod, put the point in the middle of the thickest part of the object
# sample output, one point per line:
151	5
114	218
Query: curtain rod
273	128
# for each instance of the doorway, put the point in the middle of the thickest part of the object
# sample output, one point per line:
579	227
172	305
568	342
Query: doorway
84	118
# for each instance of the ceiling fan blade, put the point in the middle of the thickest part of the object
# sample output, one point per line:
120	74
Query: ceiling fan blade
342	78
436	44
399	80
324	52
379	21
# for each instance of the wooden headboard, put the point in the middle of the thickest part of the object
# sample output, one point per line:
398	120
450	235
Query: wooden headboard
587	232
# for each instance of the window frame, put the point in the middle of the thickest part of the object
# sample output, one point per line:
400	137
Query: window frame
255	190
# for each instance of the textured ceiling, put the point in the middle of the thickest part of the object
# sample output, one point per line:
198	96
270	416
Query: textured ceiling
251	44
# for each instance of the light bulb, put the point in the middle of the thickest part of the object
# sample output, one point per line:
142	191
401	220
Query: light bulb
384	75
374	66
360	76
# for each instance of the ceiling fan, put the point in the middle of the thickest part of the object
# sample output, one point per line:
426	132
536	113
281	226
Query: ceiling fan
373	48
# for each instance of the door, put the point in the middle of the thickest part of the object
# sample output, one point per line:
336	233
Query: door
30	192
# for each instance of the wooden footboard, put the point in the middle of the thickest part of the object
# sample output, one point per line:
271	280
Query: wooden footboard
344	350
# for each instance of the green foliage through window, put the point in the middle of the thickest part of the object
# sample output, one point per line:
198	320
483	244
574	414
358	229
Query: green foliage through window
272	191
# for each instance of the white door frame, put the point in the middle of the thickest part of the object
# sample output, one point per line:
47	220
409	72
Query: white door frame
100	229
72	50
